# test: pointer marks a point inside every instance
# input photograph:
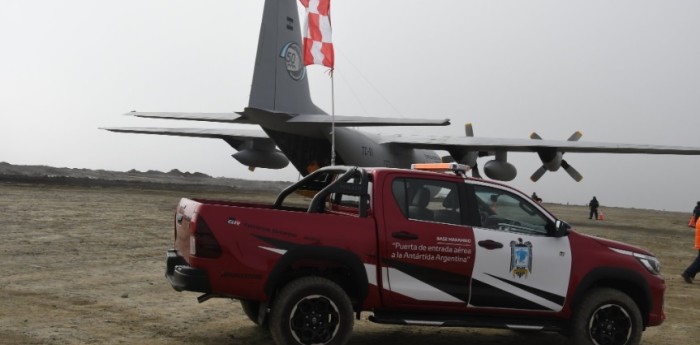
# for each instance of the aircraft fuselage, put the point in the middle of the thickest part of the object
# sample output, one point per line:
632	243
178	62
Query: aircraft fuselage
363	149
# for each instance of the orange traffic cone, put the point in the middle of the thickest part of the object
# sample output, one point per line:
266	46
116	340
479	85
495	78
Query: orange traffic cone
601	216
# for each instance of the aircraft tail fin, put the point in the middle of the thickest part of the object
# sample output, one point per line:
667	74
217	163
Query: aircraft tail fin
279	79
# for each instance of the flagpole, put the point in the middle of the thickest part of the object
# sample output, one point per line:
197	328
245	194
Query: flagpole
332	119
318	48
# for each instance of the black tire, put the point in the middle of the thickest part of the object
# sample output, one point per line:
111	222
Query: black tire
606	317
311	310
251	310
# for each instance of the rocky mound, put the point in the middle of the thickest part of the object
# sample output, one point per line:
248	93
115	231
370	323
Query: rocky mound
174	179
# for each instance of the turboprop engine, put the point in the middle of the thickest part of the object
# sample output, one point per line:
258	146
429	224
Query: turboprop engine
552	160
465	156
500	169
497	169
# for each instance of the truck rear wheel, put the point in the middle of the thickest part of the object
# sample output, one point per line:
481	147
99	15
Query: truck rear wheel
606	317
311	310
251	310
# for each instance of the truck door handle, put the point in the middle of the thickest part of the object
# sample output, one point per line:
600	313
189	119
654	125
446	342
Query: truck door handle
490	244
404	235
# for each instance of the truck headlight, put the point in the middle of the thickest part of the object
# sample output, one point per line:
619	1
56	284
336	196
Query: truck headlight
651	263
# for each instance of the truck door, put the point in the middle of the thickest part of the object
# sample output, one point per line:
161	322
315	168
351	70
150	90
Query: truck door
427	251
517	265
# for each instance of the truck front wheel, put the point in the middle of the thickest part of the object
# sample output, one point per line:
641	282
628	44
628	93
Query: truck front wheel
311	310
606	317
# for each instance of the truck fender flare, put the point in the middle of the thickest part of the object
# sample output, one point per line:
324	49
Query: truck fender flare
614	275
343	257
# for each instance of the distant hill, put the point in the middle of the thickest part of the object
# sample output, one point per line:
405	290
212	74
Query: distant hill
174	179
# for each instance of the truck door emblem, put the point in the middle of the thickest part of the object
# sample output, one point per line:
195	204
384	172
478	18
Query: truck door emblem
520	258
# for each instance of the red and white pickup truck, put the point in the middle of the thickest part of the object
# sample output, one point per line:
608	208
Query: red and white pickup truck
411	247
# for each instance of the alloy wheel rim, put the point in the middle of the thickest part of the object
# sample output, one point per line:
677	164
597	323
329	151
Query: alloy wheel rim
610	324
314	319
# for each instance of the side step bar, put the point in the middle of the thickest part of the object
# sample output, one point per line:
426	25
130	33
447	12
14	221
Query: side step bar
455	320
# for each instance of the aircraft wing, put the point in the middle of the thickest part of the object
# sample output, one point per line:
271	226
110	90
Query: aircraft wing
240	134
255	148
340	121
529	145
208	117
361	121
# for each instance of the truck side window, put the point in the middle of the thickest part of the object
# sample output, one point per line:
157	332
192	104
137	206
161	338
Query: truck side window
349	200
427	200
503	210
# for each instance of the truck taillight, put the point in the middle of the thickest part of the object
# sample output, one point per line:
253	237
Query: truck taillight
203	244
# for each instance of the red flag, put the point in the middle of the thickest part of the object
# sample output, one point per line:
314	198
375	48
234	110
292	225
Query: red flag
318	48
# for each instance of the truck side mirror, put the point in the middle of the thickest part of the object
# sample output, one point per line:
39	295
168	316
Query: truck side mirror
558	229
561	228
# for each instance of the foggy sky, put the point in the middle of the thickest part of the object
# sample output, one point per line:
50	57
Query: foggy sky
622	71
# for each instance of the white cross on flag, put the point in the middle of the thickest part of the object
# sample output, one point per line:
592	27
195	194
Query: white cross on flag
318	48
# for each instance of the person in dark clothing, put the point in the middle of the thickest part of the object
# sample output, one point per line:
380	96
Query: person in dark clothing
696	215
594	208
690	272
535	197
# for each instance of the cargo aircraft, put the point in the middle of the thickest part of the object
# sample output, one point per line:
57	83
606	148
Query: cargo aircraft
297	131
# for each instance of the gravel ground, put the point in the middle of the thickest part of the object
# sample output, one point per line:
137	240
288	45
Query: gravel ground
84	264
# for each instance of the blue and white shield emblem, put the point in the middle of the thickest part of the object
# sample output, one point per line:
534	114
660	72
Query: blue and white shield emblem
520	258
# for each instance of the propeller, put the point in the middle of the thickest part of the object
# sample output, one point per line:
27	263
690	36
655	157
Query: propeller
464	156
472	155
552	159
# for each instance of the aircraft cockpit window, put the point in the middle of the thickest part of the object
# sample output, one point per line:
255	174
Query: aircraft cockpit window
503	210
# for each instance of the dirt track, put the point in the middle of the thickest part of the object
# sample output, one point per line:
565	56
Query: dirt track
84	265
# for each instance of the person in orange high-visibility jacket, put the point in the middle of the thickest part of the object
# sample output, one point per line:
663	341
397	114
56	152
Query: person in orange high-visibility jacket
690	272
